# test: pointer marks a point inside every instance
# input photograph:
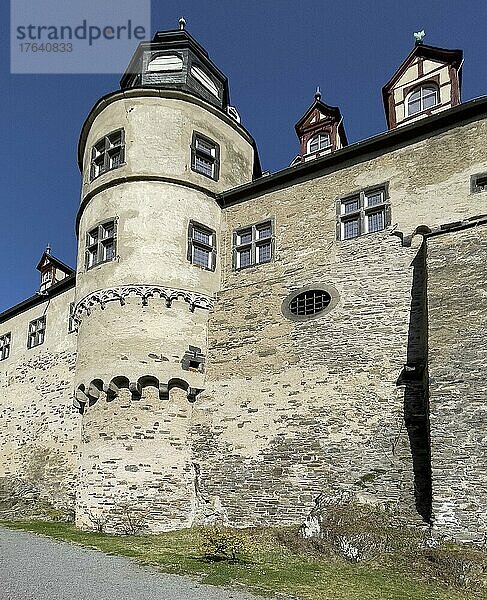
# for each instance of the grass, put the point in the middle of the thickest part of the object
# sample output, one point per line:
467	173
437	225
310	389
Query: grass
270	568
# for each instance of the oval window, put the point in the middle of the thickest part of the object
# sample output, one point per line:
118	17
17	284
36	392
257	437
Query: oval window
309	302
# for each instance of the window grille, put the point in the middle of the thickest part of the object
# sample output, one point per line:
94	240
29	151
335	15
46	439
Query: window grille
309	303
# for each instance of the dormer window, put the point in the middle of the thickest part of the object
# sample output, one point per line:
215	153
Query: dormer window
422	98
46	276
205	80
167	62
319	142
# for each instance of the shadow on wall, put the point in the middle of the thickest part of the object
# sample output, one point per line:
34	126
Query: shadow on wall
414	378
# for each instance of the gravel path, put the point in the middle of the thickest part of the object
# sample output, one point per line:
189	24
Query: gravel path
33	567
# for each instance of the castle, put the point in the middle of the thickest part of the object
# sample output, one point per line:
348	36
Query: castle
238	343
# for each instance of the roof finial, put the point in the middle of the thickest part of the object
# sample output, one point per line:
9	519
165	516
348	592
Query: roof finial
419	36
318	93
48	249
182	23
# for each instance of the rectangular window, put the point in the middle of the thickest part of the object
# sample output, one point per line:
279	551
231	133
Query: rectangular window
101	243
108	153
201	246
71	321
5	340
37	332
205	155
253	245
365	212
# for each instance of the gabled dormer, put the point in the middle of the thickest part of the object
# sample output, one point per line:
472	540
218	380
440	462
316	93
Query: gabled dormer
427	82
320	131
52	270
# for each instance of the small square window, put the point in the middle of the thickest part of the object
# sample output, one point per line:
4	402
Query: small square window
108	153
37	332
351	228
101	244
478	183
5	341
264	253
244	236
253	245
374	198
350	206
201	246
205	155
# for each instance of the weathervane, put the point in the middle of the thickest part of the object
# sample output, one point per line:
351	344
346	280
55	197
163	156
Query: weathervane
419	36
182	23
318	93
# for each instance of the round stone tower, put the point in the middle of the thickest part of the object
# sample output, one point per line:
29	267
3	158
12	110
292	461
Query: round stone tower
154	157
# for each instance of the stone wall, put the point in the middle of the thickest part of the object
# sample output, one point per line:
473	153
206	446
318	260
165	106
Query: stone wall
40	429
295	409
340	402
457	356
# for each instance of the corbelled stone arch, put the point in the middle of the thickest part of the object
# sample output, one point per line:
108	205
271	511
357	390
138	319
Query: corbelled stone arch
191	392
150	381
94	392
116	385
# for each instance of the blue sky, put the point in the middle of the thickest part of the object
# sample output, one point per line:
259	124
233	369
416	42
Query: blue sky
274	53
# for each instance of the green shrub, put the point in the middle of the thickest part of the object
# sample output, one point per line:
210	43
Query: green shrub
224	543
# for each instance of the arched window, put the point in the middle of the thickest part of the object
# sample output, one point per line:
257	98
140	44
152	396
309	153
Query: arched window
422	98
318	142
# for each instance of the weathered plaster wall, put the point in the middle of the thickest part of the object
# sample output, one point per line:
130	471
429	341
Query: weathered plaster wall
40	429
152	237
158	136
457	289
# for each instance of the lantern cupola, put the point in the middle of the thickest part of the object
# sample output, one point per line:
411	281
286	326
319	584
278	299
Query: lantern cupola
320	131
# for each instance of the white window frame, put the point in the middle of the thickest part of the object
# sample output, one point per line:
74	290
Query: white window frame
195	243
421	88
362	210
5	343
37	332
250	240
205	149
321	146
96	245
